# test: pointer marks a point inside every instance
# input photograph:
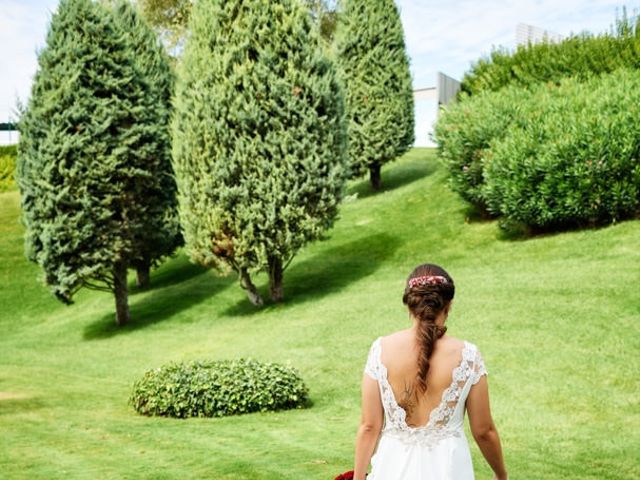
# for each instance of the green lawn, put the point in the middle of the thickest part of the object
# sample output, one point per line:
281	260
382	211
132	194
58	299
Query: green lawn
556	317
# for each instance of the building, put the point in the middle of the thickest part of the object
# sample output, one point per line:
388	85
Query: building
427	103
526	34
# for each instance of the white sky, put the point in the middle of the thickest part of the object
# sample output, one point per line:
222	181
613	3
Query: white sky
441	35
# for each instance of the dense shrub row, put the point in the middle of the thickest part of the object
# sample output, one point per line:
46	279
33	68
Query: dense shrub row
7	167
218	388
579	56
549	156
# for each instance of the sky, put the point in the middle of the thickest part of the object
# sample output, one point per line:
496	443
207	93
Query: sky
441	36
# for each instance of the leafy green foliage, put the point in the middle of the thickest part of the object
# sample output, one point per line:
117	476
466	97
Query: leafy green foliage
573	161
216	389
7	167
580	56
171	18
465	131
259	137
325	14
379	95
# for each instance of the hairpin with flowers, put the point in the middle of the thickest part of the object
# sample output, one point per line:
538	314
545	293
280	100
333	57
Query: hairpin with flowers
426	280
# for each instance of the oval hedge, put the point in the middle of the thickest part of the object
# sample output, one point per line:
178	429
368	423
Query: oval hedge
218	388
549	156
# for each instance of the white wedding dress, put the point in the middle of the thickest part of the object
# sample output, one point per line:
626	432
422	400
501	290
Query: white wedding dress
437	450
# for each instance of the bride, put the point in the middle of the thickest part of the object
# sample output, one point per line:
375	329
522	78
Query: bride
417	385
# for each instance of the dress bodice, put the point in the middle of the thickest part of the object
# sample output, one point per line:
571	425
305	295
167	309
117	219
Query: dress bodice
446	420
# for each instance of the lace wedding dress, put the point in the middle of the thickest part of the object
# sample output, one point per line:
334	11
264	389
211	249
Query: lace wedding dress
437	450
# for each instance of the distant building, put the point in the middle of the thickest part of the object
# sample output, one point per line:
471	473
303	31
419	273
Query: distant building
528	34
427	102
8	134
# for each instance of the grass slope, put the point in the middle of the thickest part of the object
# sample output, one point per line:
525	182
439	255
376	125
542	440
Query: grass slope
556	317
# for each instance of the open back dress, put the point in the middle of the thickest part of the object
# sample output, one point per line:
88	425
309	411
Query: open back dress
438	450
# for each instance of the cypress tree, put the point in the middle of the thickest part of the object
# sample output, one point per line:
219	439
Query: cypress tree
161	230
83	154
378	93
259	137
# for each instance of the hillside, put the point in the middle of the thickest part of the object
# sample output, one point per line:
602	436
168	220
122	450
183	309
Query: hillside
556	317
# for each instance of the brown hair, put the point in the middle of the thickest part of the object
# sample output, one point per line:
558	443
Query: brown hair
425	301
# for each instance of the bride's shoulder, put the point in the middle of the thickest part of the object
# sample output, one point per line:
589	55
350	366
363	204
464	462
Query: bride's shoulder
453	345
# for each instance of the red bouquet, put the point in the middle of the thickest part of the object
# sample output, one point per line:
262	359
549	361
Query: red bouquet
345	476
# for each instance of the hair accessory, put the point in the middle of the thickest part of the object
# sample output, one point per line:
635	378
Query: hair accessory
426	280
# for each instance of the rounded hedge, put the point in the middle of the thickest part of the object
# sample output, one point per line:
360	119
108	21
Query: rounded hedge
576	162
548	156
465	130
218	388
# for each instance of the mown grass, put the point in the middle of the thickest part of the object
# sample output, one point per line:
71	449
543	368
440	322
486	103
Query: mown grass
557	318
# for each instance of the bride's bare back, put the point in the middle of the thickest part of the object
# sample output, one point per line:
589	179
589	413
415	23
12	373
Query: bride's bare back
400	356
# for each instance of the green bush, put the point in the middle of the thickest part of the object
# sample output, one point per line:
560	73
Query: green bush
218	388
581	56
7	167
576	162
7	172
465	130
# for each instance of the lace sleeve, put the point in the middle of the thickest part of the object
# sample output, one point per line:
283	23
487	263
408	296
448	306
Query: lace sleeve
372	366
478	368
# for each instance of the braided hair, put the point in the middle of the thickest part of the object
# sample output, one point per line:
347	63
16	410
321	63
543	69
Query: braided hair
429	291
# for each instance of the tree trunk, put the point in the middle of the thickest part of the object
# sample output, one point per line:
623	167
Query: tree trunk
120	292
142	278
247	284
275	279
374	176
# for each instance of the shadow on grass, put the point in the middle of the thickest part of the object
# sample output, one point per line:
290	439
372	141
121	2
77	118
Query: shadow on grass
18	404
395	176
159	305
476	214
328	271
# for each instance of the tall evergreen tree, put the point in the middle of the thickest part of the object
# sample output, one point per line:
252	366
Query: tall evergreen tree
259	137
83	155
378	92
160	235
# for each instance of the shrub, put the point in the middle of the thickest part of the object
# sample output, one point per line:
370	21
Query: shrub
576	163
7	167
7	172
218	388
464	133
579	56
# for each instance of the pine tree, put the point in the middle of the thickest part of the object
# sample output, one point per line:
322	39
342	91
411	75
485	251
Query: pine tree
259	137
378	92
161	232
83	155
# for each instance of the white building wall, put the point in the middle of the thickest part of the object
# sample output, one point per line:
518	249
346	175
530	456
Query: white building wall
9	137
526	34
427	102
